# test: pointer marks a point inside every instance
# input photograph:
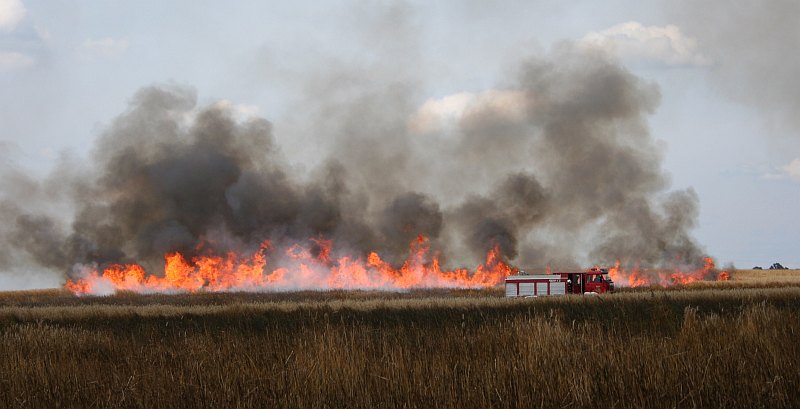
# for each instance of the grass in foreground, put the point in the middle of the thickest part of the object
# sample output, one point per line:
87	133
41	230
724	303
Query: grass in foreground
719	348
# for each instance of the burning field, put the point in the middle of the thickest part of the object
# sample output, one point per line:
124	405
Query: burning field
301	270
209	245
370	220
638	277
553	169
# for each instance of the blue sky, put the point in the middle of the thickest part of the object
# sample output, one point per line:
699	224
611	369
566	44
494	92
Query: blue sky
68	68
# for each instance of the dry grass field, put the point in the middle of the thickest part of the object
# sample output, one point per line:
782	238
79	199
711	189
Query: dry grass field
766	276
729	345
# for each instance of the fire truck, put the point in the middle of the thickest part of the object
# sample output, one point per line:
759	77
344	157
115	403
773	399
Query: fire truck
592	281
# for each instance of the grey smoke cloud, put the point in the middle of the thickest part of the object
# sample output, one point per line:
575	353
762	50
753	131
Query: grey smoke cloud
753	49
557	167
598	189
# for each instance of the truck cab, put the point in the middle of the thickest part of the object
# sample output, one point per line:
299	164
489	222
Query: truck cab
598	281
594	280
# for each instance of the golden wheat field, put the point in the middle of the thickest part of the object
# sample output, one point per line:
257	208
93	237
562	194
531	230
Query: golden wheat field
722	344
766	276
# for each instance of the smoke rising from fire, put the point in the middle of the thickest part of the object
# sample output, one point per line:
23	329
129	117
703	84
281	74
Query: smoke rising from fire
554	167
753	48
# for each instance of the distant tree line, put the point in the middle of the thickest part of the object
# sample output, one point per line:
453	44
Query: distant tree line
774	266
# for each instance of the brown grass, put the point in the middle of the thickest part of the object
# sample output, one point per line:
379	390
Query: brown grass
683	348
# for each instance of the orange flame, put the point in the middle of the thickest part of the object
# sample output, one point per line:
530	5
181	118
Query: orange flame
637	277
299	269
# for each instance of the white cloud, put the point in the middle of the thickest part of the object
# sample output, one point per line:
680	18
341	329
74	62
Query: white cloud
439	114
632	40
11	60
11	13
42	32
239	111
776	172
793	169
435	114
104	47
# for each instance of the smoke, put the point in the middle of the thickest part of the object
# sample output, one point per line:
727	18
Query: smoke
753	47
557	166
597	187
498	219
406	217
171	178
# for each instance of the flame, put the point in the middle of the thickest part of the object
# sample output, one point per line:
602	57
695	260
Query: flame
296	269
638	277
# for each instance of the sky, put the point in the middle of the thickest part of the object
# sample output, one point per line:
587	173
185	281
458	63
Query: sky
726	122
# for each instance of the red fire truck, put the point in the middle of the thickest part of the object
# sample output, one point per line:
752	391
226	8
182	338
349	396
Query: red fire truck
592	281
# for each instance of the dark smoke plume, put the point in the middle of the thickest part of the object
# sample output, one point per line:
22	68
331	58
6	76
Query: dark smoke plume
557	167
498	219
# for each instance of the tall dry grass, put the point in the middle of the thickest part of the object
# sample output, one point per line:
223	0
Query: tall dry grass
702	348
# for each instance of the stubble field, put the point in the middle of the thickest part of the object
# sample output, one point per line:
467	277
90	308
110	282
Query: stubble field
724	344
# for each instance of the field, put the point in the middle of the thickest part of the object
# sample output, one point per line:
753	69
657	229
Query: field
767	276
725	344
